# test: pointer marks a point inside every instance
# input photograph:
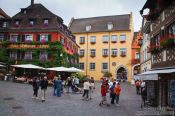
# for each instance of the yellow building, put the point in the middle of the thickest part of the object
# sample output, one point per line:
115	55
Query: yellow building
105	45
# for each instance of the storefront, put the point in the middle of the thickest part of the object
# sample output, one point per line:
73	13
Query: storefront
160	85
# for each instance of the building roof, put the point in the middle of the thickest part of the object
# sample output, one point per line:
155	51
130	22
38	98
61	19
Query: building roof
99	24
37	13
2	13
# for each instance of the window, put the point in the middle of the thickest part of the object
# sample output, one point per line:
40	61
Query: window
105	66
122	38
28	55
43	55
92	66
44	38
114	38
81	53
81	66
105	38
93	52
105	52
13	55
88	27
5	24
110	26
1	38
114	52
28	38
172	29
62	41
46	22
123	52
16	23
31	23
82	40
137	56
13	38
93	39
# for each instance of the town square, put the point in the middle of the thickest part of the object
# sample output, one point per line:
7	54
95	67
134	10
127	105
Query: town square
101	57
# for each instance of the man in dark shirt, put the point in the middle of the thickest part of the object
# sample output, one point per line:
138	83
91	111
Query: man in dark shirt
44	84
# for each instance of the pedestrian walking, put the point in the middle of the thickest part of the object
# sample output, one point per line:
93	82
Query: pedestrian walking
44	84
143	95
86	86
68	84
142	86
112	93
104	90
55	85
35	88
91	88
117	91
59	86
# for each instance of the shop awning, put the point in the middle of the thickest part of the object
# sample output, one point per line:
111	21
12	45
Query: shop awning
153	74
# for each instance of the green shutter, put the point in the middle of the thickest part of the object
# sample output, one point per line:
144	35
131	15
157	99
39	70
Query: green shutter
49	37
38	38
23	38
8	37
18	40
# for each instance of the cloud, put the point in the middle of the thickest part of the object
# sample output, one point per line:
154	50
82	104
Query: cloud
81	8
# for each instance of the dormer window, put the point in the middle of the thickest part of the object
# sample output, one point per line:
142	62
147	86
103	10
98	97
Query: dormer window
110	26
16	23
46	22
88	27
31	23
5	24
25	12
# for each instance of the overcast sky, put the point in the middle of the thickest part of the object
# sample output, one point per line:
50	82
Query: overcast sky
67	9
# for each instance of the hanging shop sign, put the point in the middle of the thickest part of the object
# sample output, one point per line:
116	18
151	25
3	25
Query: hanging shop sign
28	46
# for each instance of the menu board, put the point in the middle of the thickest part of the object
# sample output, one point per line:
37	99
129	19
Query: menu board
172	93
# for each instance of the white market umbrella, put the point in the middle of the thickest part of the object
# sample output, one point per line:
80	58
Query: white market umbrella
28	66
59	69
73	69
2	65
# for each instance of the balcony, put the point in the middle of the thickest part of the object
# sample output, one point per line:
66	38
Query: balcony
114	55
123	54
135	61
123	41
105	55
92	55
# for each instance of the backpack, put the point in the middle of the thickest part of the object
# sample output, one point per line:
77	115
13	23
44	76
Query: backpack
112	89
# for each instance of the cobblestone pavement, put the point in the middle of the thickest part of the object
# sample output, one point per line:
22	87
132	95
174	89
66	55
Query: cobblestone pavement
16	100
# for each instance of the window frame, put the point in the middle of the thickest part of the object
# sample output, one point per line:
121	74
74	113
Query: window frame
26	57
16	39
45	55
30	40
82	40
113	52
123	52
105	38
81	64
13	55
121	39
114	40
92	52
105	52
82	52
92	66
93	39
104	63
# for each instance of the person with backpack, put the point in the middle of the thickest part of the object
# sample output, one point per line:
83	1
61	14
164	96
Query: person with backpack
117	91
112	93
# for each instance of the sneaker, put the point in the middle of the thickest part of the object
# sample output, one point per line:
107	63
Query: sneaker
37	98
117	105
33	97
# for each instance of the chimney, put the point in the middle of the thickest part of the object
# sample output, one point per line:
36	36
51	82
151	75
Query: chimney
32	2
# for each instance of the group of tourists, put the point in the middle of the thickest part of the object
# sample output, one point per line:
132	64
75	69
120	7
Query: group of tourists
113	87
72	84
43	83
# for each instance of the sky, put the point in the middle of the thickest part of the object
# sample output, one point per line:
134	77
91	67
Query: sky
67	9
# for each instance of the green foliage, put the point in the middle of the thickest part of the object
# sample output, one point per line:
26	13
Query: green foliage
107	74
170	42
56	54
78	75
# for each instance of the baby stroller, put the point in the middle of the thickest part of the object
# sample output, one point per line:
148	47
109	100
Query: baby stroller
76	89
